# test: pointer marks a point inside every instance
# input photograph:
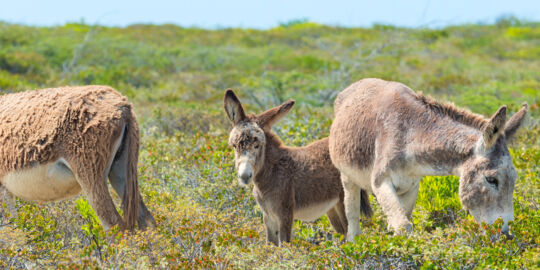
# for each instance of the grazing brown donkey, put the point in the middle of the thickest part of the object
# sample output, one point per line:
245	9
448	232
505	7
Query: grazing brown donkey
289	182
385	138
55	142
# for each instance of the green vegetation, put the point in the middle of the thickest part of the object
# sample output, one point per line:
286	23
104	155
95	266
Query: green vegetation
176	78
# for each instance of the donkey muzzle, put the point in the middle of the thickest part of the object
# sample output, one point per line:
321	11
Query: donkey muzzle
245	173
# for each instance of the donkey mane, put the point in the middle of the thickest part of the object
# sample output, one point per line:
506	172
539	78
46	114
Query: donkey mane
463	116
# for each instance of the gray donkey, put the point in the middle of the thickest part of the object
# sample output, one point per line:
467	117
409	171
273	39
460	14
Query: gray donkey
289	182
385	138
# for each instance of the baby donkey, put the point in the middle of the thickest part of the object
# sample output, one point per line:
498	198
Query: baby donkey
289	182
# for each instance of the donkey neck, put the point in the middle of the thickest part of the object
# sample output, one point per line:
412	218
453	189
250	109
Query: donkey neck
442	143
278	159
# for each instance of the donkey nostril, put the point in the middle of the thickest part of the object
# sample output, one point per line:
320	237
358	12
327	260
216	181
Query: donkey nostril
246	176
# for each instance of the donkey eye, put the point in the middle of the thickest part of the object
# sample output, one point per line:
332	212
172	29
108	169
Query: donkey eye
256	146
492	181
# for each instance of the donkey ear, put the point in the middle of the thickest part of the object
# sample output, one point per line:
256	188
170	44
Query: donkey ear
494	127
514	123
233	107
270	117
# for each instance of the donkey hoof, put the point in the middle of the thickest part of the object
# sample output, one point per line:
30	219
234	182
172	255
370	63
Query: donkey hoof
148	224
119	226
405	229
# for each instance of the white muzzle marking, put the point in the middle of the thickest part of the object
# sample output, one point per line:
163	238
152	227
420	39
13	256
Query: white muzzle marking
245	172
491	218
507	217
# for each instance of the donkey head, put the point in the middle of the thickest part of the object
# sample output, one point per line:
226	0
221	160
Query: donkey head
487	178
248	135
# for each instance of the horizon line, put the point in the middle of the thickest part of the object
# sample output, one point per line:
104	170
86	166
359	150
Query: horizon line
511	19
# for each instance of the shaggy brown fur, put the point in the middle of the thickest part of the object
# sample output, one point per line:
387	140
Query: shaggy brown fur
289	182
86	133
385	138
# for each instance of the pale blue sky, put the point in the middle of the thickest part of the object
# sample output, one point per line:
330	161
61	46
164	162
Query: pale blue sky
265	14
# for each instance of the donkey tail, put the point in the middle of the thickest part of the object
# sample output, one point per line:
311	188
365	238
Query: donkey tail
365	206
131	198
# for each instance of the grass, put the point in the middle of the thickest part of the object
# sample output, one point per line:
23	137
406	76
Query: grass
176	78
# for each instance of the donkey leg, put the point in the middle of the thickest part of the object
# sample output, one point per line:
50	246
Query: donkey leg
340	210
9	200
391	204
272	229
100	199
335	218
285	226
408	200
352	207
93	183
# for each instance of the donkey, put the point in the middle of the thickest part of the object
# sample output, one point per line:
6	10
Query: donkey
289	182
385	138
56	142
